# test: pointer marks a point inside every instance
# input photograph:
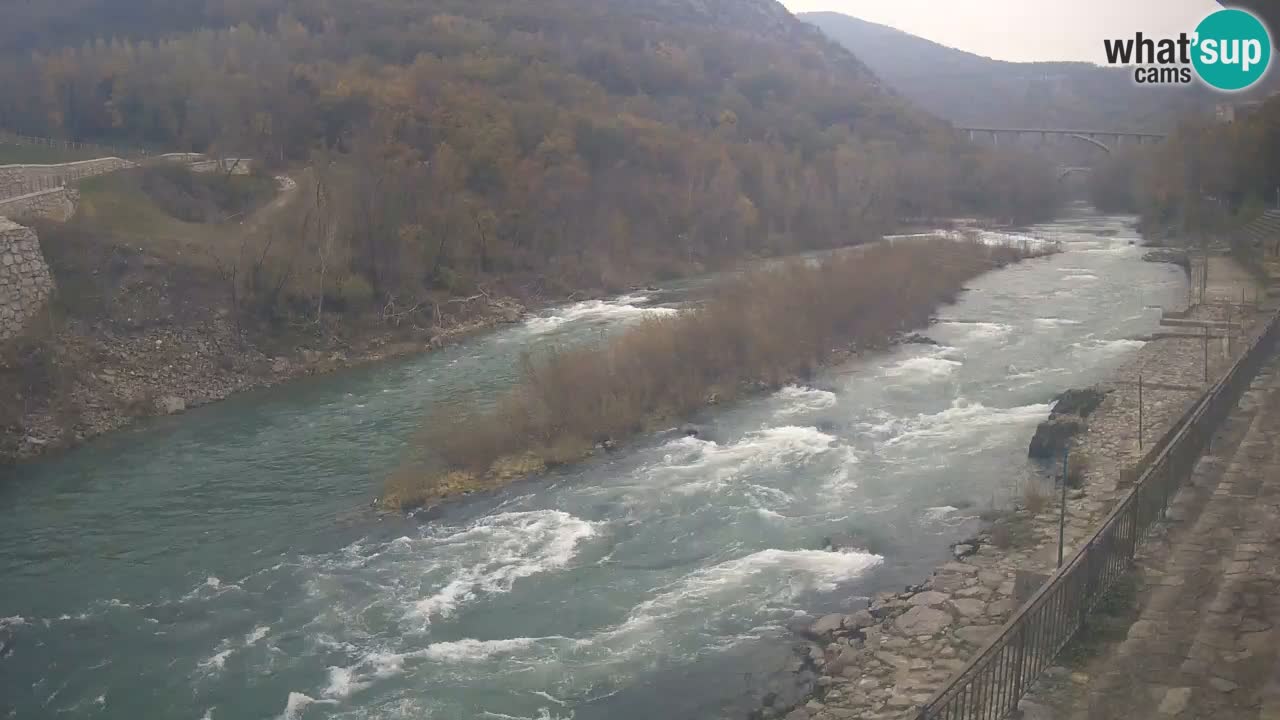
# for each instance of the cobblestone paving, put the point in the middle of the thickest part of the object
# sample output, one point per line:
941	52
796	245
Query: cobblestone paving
1205	643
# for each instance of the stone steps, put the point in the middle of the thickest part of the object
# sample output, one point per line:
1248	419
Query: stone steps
1264	231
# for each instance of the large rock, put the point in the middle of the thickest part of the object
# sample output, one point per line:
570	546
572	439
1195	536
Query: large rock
826	625
918	339
1175	257
171	404
859	620
1066	420
928	599
923	620
1078	401
692	430
1054	436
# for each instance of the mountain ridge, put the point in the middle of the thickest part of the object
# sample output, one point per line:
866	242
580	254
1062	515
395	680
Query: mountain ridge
970	89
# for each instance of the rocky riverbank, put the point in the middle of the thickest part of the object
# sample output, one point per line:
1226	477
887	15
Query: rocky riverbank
887	659
84	378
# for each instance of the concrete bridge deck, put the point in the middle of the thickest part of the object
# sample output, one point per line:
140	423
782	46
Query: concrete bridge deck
1093	137
1061	131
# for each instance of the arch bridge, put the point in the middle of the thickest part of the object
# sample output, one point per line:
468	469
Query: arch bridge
1093	137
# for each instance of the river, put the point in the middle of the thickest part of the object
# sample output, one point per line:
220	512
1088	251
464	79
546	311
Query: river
224	563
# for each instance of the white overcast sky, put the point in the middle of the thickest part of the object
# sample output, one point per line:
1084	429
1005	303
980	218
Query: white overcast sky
1024	30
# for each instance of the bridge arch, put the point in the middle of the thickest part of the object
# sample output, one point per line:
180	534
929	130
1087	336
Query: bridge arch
1105	148
1090	135
1064	172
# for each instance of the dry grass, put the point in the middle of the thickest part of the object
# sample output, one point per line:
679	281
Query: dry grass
116	206
1035	496
1077	468
769	326
1013	530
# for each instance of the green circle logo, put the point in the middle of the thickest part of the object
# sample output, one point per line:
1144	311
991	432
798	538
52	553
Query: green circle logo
1233	49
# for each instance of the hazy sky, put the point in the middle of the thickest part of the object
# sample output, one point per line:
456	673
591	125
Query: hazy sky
1024	30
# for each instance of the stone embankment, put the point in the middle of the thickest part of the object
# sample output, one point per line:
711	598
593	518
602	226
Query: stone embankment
887	660
57	204
34	191
18	180
25	282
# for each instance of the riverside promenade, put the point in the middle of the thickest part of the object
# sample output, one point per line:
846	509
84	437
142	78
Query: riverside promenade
1204	643
885	662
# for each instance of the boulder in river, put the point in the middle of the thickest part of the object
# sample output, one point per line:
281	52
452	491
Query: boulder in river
826	625
1168	255
1054	436
918	339
1079	401
1066	420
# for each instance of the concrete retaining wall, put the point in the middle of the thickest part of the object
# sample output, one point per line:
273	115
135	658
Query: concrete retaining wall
25	282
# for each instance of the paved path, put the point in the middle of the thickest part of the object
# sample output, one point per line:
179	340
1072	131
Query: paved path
1205	644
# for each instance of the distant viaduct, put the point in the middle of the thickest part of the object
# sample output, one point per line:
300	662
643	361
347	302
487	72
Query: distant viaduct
1094	137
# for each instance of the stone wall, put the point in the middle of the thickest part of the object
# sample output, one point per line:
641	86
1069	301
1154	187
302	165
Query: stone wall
25	282
57	204
236	166
18	180
184	157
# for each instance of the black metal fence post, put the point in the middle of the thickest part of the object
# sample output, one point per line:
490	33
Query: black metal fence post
993	681
1062	510
1206	352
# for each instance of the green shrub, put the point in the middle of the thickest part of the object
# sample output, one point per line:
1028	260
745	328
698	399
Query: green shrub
353	291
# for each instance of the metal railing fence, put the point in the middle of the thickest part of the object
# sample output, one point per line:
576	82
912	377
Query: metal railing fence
123	151
991	684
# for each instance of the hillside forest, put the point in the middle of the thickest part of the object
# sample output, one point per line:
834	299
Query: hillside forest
1207	179
448	146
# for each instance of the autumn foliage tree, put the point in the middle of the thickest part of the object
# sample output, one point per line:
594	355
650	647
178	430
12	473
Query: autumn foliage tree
554	144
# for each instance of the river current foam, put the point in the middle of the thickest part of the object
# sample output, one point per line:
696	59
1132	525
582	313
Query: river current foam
225	563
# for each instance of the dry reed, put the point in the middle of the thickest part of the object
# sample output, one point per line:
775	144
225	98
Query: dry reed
764	328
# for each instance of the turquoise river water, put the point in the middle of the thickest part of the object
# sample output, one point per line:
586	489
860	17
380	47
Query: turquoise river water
225	564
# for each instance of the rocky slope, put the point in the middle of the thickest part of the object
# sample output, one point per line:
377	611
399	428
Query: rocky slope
132	336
